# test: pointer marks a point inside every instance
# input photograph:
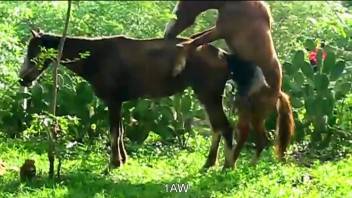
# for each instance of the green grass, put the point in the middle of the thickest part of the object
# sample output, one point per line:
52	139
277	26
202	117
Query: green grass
150	168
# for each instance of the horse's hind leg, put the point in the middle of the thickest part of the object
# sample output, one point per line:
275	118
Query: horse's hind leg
220	124
213	152
121	144
205	37
115	132
243	129
261	139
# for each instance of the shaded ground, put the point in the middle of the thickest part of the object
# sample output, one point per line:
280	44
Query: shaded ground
150	170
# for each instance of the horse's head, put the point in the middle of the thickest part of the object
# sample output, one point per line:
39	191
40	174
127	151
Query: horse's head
30	69
186	12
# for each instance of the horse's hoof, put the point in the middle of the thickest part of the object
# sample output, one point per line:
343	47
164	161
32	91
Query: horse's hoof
228	166
124	161
116	164
206	167
226	169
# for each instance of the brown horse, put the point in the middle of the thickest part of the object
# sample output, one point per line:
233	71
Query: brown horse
245	26
121	69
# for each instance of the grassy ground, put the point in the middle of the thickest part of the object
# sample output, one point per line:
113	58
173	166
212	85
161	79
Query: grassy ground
152	169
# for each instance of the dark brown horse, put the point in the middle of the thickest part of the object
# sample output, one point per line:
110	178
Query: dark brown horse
245	26
121	69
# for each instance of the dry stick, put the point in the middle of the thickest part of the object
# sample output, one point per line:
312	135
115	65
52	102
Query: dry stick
54	130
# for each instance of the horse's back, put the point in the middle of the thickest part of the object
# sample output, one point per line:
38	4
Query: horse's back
143	68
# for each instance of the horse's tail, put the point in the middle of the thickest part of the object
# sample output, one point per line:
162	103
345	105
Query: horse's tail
285	124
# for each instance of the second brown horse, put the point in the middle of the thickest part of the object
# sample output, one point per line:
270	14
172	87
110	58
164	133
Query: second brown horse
245	26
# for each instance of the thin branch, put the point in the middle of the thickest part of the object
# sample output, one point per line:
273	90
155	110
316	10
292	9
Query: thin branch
52	133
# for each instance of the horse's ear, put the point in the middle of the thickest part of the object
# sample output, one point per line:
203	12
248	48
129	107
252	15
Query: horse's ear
36	33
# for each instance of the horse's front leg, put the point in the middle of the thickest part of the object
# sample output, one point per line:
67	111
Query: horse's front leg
243	128
261	140
121	144
116	159
213	152
221	127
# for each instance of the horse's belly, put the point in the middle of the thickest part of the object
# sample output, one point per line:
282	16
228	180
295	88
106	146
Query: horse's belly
155	89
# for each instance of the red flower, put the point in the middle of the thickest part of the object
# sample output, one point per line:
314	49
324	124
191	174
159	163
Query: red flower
312	56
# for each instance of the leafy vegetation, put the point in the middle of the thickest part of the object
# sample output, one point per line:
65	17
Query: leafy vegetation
168	138
317	93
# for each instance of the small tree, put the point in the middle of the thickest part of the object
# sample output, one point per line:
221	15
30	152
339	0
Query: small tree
55	129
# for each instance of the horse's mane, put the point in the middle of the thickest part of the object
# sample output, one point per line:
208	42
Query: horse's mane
109	37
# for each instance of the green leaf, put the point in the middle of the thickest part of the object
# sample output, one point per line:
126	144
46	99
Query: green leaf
307	70
137	134
337	70
165	132
177	102
308	90
310	108
321	82
299	131
329	63
327	105
299	78
37	91
289	68
342	88
298	59
167	113
286	84
186	103
295	86
316	107
142	106
296	102
309	44
84	93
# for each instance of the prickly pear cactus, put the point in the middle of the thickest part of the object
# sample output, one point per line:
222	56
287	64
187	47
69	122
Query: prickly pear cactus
315	92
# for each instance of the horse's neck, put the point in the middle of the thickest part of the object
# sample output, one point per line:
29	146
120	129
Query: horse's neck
72	54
